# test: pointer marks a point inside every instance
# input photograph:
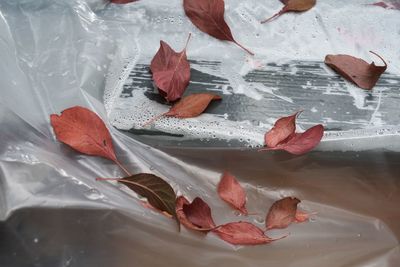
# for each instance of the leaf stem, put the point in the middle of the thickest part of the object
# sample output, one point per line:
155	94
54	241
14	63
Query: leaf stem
122	167
384	62
244	48
187	41
274	16
153	120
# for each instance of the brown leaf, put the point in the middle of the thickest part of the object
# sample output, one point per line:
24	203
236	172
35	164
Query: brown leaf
171	71
122	1
199	214
180	201
158	192
293	6
356	70
84	131
232	192
188	107
282	213
283	128
208	16
242	233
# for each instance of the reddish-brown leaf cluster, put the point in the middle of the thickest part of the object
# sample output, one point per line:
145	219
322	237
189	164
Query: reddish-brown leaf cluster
283	136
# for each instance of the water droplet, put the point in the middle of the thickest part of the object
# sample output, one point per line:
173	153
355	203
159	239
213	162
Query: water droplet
93	194
36	240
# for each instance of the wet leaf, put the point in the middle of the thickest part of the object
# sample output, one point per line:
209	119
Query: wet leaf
293	6
242	233
188	107
208	16
122	1
283	128
158	192
302	216
392	5
199	214
171	71
283	137
84	131
180	201
232	192
282	213
356	70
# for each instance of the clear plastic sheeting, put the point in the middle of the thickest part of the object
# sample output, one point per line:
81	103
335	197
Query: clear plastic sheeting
57	54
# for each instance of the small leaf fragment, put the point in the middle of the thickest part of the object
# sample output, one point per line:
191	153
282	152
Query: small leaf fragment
122	1
356	70
171	71
293	6
180	201
232	192
188	107
302	216
282	213
242	233
208	17
199	214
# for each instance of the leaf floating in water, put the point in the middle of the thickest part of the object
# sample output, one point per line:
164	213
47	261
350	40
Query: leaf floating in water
232	192
282	213
208	16
293	6
171	71
356	70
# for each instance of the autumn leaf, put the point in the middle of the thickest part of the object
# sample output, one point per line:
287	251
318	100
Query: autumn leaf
199	214
208	16
302	216
242	233
158	192
232	192
392	5
171	71
84	131
293	6
356	70
180	201
122	1
282	213
283	137
188	107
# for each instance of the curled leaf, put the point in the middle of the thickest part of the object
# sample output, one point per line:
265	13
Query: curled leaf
283	137
180	201
171	71
188	107
122	1
293	6
208	16
283	128
232	192
158	192
356	70
199	214
242	233
282	213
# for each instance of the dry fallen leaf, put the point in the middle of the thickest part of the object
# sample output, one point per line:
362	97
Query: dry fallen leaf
232	192
208	16
282	213
293	6
188	107
171	71
356	70
242	233
199	214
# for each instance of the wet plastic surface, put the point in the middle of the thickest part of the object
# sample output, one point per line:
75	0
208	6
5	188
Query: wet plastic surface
57	54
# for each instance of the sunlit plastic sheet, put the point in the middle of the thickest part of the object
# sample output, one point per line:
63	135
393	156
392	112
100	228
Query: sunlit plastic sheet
57	54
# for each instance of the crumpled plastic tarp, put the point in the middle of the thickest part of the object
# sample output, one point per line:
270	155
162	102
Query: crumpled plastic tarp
58	54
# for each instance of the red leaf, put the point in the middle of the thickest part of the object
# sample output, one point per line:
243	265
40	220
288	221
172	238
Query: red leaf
356	70
180	201
188	107
282	213
301	143
293	6
208	16
283	128
85	132
301	216
232	192
122	1
393	5
199	214
171	71
242	233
